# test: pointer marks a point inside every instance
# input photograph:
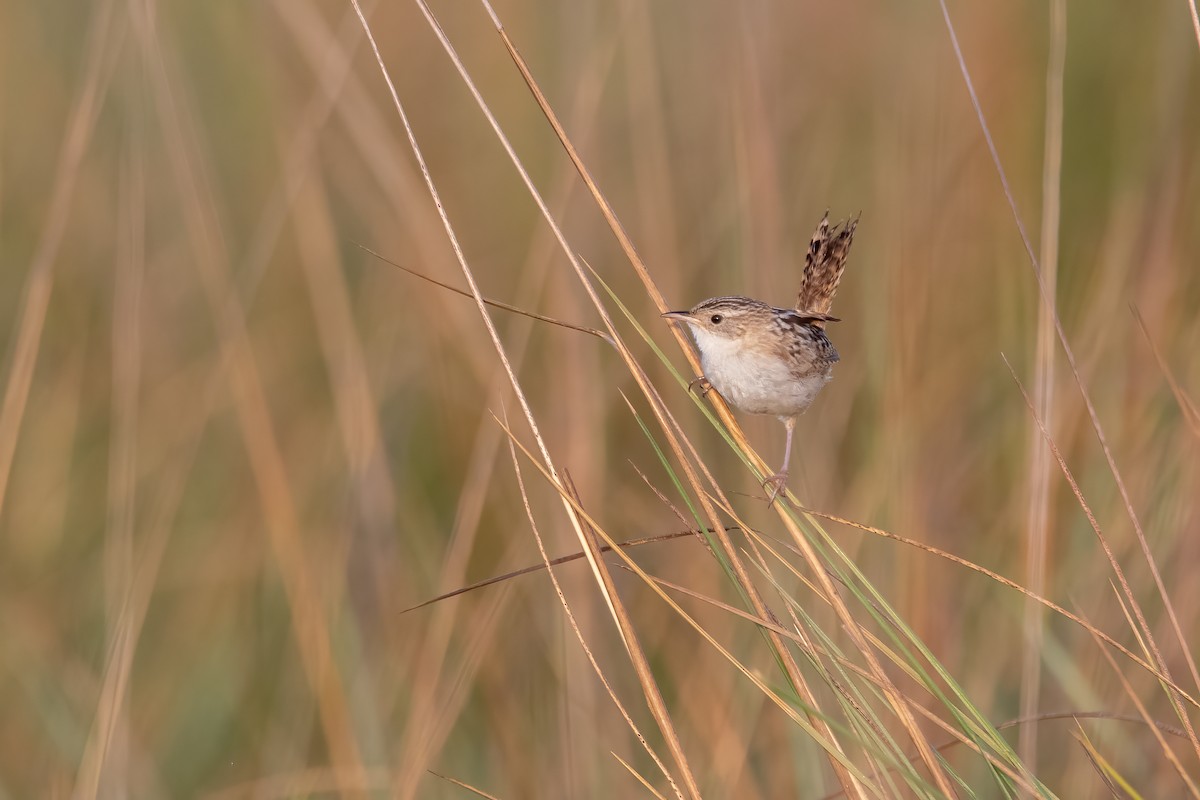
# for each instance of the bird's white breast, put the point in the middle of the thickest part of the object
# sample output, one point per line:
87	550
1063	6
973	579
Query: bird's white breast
754	381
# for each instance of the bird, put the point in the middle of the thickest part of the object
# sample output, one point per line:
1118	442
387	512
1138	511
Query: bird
768	360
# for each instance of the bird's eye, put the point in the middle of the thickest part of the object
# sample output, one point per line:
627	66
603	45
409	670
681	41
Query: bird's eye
716	319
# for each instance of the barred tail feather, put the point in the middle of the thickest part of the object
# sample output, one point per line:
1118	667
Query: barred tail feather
823	265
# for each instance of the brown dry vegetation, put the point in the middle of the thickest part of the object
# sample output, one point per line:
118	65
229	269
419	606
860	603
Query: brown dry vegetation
235	447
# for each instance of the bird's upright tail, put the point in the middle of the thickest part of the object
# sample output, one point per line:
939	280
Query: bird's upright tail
823	265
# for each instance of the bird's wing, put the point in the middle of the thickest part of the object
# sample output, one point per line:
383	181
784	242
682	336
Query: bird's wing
823	266
811	352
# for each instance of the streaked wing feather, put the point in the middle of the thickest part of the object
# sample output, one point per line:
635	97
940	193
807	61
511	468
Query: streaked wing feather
809	349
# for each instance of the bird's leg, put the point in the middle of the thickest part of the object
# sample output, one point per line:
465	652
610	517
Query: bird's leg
776	482
702	382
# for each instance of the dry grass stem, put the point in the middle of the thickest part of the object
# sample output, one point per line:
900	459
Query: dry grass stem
238	453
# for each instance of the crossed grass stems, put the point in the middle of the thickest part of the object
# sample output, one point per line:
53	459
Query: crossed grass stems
829	567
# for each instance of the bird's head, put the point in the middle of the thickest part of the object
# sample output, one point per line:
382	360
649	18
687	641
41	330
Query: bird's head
724	317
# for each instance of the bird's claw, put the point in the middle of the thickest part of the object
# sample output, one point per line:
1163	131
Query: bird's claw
703	383
775	485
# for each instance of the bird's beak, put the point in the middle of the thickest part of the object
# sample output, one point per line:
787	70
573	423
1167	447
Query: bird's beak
682	316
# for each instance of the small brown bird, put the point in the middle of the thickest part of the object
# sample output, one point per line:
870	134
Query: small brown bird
767	360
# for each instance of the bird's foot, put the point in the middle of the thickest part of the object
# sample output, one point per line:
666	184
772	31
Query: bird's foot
774	486
703	384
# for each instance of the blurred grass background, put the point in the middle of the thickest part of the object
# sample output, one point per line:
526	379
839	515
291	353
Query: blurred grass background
234	447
